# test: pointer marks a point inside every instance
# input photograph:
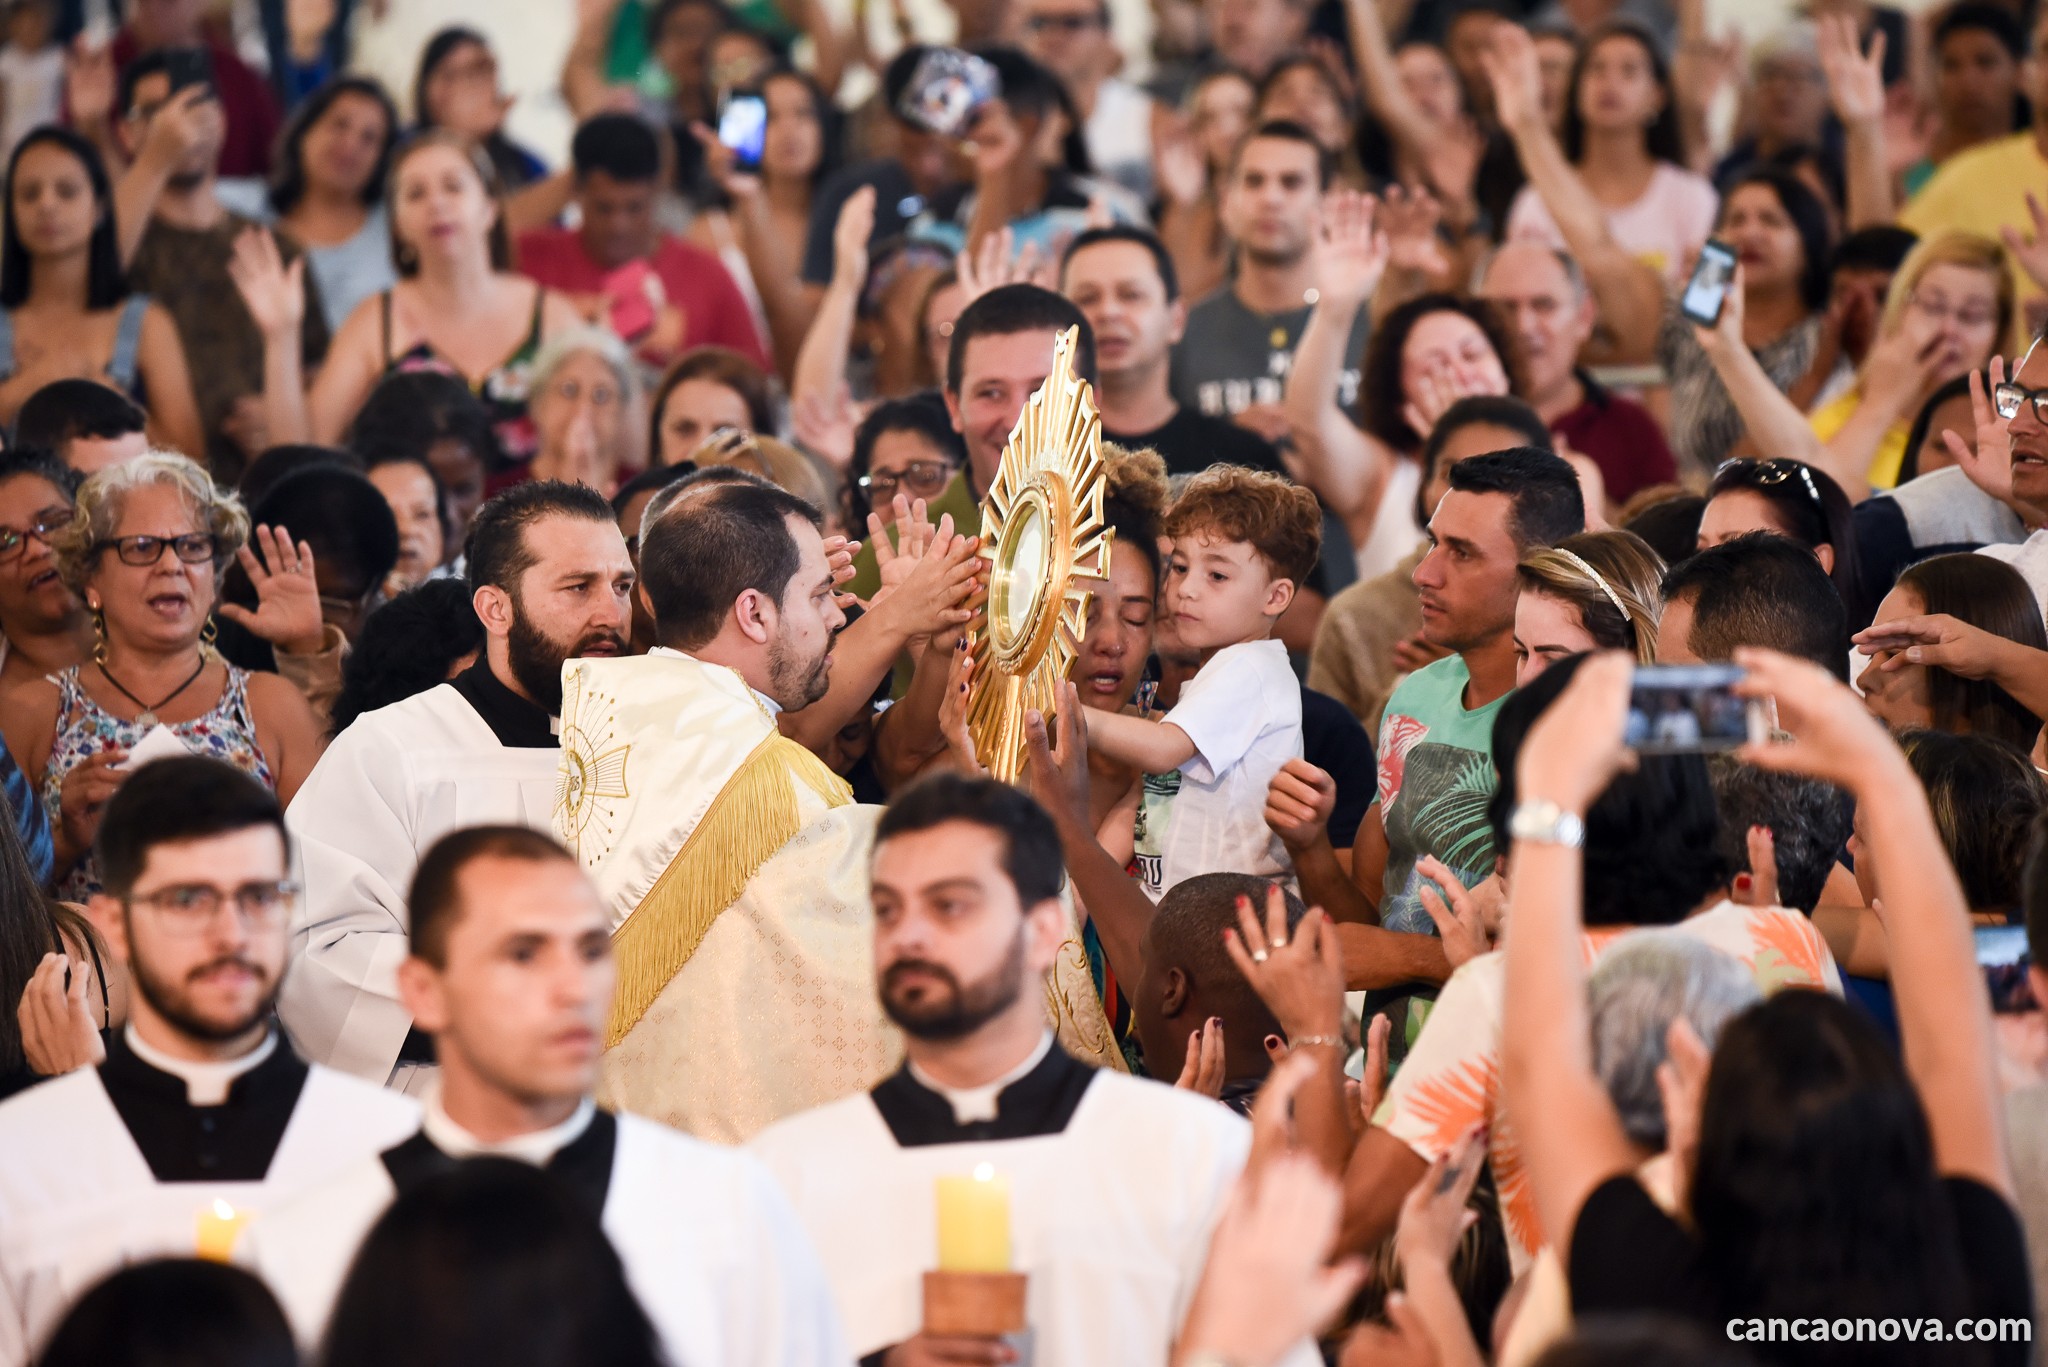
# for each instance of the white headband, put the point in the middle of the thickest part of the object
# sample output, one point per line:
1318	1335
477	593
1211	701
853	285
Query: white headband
1598	582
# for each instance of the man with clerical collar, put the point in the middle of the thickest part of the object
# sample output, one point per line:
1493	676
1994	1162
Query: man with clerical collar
551	580
201	1118
1115	1183
512	974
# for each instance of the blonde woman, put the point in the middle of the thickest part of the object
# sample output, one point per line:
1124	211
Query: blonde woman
1949	309
1593	591
145	550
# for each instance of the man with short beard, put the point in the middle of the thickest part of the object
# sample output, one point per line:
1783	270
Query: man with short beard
730	859
1114	1183
551	581
200	1116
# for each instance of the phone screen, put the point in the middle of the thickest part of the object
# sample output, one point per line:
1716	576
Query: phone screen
2002	954
743	127
947	89
1712	276
1689	709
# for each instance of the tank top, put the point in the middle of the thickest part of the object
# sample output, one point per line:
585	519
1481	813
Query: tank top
226	732
124	369
504	389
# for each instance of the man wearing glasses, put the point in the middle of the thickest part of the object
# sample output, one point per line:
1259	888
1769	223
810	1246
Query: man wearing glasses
199	1117
2023	403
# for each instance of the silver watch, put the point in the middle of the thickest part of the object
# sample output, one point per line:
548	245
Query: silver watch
1546	823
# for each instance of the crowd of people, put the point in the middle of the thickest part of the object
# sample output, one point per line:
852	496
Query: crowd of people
501	861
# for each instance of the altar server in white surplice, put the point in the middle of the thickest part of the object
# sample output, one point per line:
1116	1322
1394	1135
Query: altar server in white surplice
201	1120
552	580
511	973
1115	1184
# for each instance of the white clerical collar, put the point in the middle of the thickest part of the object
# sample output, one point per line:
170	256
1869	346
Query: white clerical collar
972	1104
768	704
536	1147
206	1082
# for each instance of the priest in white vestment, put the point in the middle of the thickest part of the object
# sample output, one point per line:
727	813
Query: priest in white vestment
201	1120
552	580
708	1242
1115	1184
734	862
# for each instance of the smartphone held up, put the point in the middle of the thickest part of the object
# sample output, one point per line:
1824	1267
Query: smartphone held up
1713	275
1689	710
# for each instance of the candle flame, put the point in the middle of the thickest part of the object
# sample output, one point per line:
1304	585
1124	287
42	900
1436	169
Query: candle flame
984	1172
222	1210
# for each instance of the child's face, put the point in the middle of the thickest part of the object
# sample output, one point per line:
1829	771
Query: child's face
1219	593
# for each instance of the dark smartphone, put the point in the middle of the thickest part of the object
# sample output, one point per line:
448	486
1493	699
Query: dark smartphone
947	89
1713	275
188	66
2002	954
743	128
1690	709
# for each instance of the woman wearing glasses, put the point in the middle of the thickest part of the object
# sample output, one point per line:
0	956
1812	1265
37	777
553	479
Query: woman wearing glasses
1949	308
144	550
43	625
905	446
582	389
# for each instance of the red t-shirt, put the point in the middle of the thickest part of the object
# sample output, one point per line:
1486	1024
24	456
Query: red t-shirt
247	102
1621	438
695	281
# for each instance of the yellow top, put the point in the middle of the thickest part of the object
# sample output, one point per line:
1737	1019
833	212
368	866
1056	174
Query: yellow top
1831	418
1981	191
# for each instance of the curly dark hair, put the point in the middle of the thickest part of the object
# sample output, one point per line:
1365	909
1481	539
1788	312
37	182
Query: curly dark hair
1280	518
407	646
1380	398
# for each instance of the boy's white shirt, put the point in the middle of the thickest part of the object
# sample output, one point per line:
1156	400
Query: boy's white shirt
1242	711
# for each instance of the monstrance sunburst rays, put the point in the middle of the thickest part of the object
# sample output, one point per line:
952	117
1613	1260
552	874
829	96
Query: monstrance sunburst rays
1042	521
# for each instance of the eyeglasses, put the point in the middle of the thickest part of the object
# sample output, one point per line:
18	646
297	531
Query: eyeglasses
2008	397
601	395
1770	473
924	478
14	540
189	908
1939	309
194	548
1064	23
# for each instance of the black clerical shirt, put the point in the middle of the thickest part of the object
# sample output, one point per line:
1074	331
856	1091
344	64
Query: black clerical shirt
1041	1102
232	1142
517	723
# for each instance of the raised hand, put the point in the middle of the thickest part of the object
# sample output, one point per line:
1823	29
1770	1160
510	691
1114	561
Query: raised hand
287	612
1759	887
274	293
1831	735
1509	58
91	83
953	711
723	165
1855	80
189	120
839	554
825	424
894	560
1056	761
850	235
1299	976
1435	1215
1989	463
1352	253
1178	169
939	590
1725	336
995	261
2030	249
1202	1070
1410	218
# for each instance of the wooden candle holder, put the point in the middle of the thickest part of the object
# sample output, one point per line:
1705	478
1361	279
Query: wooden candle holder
976	1304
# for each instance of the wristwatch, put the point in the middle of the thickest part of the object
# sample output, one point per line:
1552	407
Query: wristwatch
1545	823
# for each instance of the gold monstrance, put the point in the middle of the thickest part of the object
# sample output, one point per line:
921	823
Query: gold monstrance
1042	521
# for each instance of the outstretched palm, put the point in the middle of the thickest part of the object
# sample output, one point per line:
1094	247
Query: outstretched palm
1353	254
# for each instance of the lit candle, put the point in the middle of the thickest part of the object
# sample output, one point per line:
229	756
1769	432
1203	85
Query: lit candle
974	1222
219	1226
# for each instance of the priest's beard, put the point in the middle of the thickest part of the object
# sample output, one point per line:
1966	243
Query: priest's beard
958	1011
536	658
796	683
174	1004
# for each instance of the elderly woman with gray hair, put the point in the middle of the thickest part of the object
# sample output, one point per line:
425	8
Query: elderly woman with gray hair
583	403
145	550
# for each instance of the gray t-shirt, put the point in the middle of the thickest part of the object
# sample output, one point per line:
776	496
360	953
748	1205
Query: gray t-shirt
1232	358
